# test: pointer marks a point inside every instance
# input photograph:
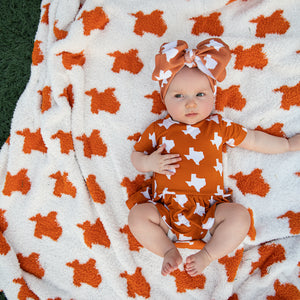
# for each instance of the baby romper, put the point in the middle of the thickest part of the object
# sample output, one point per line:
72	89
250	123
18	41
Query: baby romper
187	199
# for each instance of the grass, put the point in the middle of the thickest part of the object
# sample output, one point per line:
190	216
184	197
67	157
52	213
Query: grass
18	25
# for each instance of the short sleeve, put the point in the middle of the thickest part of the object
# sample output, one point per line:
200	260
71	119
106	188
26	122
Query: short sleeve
233	133
148	140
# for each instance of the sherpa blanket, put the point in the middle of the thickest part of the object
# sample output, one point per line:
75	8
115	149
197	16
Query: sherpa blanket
66	180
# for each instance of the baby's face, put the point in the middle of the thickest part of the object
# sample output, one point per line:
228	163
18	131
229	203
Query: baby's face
189	98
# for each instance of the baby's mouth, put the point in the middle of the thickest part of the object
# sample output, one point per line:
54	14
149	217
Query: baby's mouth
192	114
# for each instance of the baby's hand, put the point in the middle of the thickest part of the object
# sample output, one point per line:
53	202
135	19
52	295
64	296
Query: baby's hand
294	142
163	163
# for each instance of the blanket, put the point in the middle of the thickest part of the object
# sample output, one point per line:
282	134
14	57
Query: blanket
66	180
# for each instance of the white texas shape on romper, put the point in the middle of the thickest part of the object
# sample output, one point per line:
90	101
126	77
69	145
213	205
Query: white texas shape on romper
167	123
169	144
196	156
198	183
217	141
182	220
181	199
192	131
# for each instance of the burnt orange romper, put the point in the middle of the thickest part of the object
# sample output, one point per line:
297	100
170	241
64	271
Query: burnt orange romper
187	200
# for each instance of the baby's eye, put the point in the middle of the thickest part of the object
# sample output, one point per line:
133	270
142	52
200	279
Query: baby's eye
200	95
178	96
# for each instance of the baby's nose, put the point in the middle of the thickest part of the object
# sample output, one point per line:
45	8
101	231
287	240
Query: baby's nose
191	102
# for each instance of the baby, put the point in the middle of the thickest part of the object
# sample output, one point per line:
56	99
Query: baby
184	150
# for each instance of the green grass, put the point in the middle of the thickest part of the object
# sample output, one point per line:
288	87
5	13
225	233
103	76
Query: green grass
2	297
18	25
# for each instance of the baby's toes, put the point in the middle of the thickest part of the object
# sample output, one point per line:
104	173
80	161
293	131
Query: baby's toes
167	269
189	263
190	259
192	272
164	270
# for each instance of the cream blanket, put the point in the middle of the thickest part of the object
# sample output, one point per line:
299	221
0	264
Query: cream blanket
66	175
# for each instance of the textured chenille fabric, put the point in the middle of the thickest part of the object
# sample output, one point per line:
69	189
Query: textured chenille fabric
66	179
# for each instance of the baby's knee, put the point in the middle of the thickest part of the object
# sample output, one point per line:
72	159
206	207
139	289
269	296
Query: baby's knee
138	215
242	215
234	213
134	216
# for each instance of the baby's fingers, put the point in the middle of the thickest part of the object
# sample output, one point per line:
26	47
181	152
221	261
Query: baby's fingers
172	159
169	172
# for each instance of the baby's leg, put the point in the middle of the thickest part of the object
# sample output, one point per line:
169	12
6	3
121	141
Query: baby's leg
232	222
150	230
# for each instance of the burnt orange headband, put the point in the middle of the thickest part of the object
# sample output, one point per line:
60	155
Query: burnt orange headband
211	57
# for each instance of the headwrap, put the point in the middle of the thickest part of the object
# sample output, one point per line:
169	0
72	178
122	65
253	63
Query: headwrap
211	56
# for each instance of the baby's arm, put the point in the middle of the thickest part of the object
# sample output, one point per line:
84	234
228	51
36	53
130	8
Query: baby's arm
156	161
266	143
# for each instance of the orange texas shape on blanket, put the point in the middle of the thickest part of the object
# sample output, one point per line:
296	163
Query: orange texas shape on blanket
94	234
94	19
24	292
97	193
210	24
93	145
134	245
231	98
290	97
252	230
4	246
72	59
128	61
68	93
185	282
253	183
37	54
31	264
63	185
158	106
275	23
66	141
105	101
47	226
137	284
60	34
232	264
275	129
17	183
32	141
45	16
151	23
233	296
3	222
294	221
253	57
85	273
135	137
134	185
231	1
46	98
285	291
269	255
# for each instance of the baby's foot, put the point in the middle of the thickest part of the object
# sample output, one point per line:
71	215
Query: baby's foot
196	263
172	259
